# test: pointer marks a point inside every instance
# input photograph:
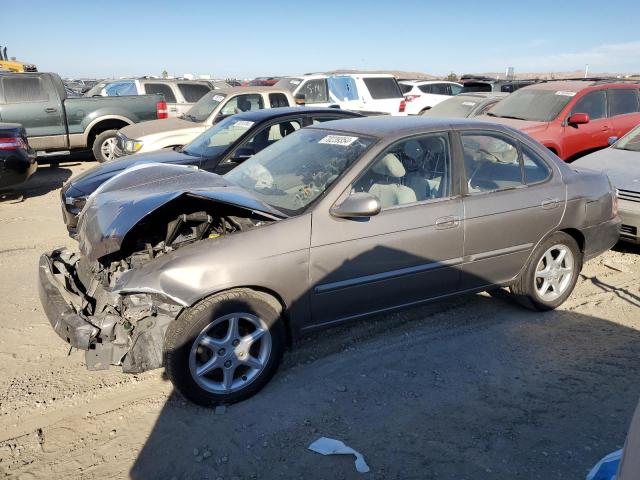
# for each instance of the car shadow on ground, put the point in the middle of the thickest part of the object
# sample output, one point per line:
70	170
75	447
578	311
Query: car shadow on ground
47	178
475	387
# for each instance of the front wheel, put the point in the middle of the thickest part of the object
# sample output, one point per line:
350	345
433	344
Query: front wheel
104	145
225	348
551	274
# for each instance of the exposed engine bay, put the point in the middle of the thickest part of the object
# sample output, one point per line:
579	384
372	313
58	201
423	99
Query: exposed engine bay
128	329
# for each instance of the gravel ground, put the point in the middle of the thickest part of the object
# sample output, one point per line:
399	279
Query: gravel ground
474	388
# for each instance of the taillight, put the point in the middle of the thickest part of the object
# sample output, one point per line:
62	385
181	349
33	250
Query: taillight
411	98
403	105
614	204
12	143
161	110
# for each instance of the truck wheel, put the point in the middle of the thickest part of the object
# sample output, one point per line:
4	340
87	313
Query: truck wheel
225	348
551	274
103	146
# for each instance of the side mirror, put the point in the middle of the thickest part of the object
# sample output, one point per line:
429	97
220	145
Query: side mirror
356	205
578	119
242	153
612	140
300	98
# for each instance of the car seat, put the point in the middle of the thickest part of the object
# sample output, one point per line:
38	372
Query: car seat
387	186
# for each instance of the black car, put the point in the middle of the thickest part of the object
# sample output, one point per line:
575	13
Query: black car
218	150
17	160
472	83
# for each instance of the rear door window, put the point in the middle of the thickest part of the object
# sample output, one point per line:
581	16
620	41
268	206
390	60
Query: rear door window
491	162
162	89
622	101
277	100
535	169
425	88
192	92
343	89
382	87
593	104
315	91
440	89
19	89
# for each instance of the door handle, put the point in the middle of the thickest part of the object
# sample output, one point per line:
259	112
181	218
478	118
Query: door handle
447	222
550	203
173	109
50	110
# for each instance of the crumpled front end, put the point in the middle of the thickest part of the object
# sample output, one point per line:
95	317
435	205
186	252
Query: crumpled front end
112	329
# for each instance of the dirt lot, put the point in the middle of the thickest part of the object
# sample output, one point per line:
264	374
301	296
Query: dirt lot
476	388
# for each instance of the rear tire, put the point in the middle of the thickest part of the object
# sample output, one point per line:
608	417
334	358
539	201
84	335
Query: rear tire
103	146
551	274
210	361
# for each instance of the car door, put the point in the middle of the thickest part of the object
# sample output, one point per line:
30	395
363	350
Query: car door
513	199
591	135
32	101
173	106
263	137
623	109
407	253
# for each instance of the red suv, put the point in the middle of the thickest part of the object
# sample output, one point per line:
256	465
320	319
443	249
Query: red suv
571	118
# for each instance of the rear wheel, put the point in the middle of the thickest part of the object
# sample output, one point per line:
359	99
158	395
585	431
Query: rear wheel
104	145
225	348
551	274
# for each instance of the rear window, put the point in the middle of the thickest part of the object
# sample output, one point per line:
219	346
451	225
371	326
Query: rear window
24	89
404	88
162	89
622	101
289	83
382	87
192	92
469	87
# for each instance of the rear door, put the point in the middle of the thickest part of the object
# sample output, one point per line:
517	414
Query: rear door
164	89
32	101
589	136
513	199
624	109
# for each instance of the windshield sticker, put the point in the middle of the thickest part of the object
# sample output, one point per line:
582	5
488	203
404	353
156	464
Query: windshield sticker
243	124
218	98
566	94
470	104
338	140
294	82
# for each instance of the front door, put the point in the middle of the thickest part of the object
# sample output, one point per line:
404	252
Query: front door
514	198
407	253
588	136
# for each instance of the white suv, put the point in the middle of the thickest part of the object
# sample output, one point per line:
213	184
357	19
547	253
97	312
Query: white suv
369	93
421	95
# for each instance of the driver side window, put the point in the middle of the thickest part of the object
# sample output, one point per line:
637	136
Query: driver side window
270	135
412	170
491	162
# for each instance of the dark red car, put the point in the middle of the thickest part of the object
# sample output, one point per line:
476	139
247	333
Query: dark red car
261	82
571	118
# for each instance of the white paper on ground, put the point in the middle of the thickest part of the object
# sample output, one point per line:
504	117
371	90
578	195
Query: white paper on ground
331	446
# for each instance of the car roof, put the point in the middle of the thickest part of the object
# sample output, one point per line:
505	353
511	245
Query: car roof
269	113
424	82
251	89
482	94
388	126
578	85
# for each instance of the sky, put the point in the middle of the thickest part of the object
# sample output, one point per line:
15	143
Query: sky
247	38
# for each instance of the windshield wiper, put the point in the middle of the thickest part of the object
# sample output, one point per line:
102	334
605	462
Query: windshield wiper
513	117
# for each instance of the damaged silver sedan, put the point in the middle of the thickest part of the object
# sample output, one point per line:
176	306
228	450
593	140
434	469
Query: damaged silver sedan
212	277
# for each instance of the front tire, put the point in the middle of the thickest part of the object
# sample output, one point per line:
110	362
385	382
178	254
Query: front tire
225	348
103	146
551	274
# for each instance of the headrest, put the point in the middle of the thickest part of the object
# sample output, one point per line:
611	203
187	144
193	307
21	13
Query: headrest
389	166
413	150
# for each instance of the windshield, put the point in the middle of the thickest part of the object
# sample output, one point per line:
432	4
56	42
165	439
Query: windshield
218	138
204	107
532	104
292	173
631	141
289	83
457	107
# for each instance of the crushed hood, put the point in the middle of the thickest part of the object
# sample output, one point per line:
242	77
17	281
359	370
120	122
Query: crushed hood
122	202
139	130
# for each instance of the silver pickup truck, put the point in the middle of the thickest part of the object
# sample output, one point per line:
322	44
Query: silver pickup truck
57	124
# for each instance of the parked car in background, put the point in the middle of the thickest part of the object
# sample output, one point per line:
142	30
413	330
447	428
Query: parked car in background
368	93
571	118
465	105
17	159
179	94
210	276
80	87
210	109
261	82
621	162
473	83
421	95
57	124
219	149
